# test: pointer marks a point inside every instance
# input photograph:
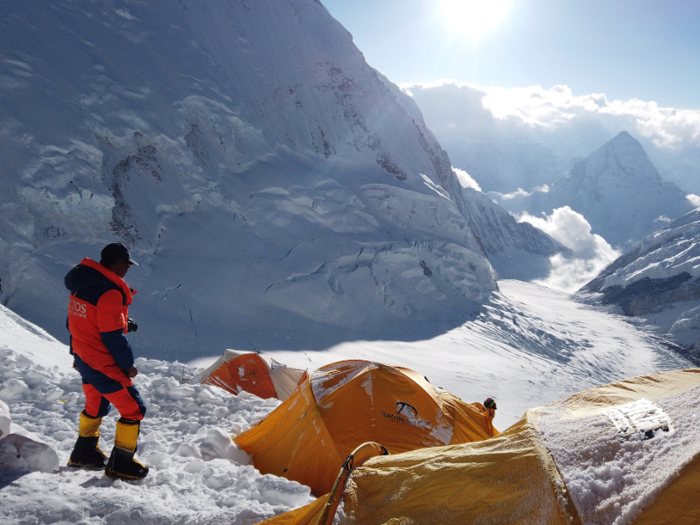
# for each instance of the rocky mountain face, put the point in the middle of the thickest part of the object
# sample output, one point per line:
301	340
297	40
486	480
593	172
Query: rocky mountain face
618	190
658	279
516	250
277	191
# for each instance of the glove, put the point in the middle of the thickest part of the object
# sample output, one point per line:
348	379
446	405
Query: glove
131	326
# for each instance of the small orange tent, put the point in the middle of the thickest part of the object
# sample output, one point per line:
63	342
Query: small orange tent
340	406
262	376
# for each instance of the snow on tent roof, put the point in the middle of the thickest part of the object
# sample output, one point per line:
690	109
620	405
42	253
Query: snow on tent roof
262	376
343	405
564	463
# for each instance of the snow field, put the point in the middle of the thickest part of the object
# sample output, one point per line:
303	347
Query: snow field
528	347
197	473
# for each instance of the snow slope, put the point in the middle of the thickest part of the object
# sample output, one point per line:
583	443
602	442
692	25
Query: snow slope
277	191
617	189
657	280
528	347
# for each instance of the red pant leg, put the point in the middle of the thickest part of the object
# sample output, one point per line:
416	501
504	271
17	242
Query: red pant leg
128	402
95	403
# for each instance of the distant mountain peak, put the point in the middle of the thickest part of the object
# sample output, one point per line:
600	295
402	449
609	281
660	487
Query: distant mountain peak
623	156
618	190
627	142
623	135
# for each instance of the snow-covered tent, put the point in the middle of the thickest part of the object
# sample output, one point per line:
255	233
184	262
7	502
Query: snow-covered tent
343	405
236	371
624	453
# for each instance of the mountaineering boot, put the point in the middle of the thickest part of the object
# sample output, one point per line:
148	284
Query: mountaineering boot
87	453
121	463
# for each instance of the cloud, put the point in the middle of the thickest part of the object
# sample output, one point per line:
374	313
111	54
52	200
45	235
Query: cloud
589	254
465	179
568	126
694	200
519	193
556	108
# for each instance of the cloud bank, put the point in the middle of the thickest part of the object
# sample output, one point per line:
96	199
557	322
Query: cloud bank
555	108
589	254
568	125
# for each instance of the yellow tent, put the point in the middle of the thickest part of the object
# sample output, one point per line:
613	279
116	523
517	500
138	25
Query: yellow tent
236	371
627	453
343	405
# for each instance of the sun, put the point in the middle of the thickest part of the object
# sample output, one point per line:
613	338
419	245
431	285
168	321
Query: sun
473	18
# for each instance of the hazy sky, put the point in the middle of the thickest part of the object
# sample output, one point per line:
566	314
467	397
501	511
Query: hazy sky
645	49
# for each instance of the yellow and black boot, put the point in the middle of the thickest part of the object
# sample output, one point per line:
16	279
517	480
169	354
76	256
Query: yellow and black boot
121	463
87	453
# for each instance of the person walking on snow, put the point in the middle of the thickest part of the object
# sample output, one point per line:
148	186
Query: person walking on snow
98	319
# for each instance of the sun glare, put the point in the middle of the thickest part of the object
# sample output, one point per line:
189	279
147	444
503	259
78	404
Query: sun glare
473	17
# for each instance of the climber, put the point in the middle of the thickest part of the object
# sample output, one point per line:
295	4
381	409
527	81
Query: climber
488	408
98	319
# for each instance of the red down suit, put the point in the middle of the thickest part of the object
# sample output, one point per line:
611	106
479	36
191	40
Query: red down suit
97	321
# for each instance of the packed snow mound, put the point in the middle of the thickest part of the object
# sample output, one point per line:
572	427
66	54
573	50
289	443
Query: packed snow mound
20	454
262	173
5	420
617	189
659	280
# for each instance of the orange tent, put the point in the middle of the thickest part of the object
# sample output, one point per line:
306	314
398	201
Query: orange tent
340	406
262	376
626	452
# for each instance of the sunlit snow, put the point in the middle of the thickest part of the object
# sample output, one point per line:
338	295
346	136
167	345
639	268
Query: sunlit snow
529	347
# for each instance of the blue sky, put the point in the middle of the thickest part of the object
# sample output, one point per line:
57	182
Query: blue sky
645	49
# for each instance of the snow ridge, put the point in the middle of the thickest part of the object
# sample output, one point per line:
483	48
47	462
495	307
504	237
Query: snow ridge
658	279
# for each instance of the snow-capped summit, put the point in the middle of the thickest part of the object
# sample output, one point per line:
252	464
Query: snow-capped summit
277	191
622	157
618	190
